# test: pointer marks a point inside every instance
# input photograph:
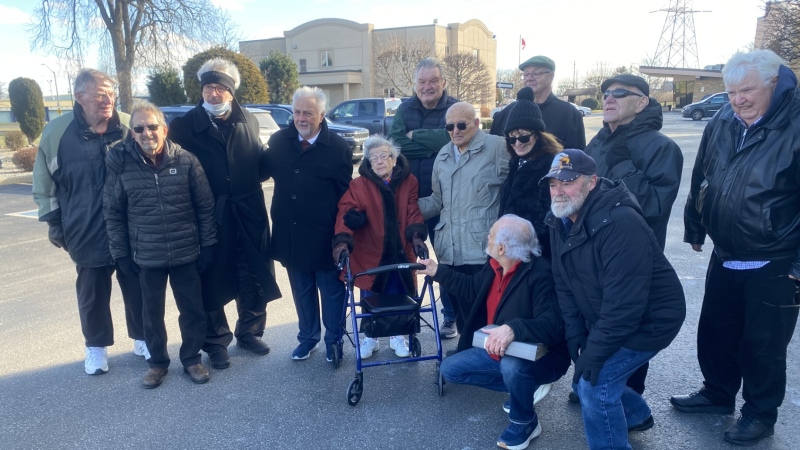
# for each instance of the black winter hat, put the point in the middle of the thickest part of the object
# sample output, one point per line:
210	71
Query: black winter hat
627	79
524	114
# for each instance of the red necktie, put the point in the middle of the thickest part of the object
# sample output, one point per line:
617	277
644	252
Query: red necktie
305	144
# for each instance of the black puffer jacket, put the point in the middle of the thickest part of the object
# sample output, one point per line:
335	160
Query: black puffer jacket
613	281
522	195
653	171
161	217
749	201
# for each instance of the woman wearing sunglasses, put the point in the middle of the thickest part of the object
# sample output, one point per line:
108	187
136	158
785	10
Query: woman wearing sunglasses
532	150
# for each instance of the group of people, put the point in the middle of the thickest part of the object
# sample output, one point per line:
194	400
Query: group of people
550	241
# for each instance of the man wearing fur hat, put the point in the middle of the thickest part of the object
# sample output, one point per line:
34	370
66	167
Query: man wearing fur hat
224	137
561	118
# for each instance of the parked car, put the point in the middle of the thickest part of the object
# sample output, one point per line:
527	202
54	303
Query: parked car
706	107
374	114
582	109
266	124
355	136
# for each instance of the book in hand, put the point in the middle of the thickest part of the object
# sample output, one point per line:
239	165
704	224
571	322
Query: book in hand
524	350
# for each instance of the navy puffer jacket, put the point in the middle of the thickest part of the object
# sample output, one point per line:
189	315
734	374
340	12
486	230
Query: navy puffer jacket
159	216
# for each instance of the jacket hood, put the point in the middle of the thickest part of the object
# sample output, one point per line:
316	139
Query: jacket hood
606	194
787	83
400	172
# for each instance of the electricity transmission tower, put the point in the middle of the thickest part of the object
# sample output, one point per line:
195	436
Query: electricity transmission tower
677	46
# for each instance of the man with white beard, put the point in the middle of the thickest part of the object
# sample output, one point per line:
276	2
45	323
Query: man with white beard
621	299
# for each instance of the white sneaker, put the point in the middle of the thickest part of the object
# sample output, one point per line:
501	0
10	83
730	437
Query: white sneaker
369	345
140	349
96	360
400	346
541	392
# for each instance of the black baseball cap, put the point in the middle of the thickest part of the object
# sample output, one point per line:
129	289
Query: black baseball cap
569	165
628	80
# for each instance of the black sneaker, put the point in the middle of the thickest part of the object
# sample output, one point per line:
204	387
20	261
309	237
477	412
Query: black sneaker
748	431
448	330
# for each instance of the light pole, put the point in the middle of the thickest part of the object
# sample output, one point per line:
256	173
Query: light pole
58	99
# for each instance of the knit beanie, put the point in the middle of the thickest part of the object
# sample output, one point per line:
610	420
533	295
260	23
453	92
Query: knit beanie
524	113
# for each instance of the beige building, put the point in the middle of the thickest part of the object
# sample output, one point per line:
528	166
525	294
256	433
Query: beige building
338	55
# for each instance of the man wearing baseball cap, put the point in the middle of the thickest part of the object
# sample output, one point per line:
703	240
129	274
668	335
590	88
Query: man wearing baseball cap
561	119
621	299
631	148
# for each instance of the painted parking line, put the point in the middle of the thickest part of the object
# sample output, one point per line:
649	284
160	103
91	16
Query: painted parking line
32	214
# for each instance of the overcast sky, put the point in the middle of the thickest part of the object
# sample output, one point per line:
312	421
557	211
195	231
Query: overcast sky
575	33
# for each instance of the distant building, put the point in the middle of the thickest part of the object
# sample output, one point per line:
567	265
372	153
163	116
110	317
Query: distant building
337	55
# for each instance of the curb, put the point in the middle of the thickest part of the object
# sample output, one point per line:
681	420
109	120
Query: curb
17	178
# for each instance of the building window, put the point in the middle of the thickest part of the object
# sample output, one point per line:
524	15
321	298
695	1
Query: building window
476	53
446	50
302	66
326	58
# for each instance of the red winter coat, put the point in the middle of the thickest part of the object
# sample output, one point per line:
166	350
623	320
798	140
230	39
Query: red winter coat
392	219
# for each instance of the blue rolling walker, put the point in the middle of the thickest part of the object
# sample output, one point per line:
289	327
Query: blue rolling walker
386	315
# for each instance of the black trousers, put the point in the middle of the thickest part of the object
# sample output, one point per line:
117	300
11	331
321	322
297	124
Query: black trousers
93	287
746	323
457	302
251	306
185	283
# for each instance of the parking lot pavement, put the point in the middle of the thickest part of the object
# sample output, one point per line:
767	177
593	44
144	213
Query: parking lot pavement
46	400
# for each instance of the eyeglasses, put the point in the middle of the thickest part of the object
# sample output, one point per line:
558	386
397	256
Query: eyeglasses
151	127
536	75
100	96
524	139
620	93
209	89
452	126
382	157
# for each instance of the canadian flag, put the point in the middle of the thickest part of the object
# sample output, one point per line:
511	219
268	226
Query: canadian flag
522	41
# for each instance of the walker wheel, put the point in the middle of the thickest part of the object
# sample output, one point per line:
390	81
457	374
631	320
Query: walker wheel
416	347
354	391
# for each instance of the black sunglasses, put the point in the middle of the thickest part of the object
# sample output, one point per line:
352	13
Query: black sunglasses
524	139
620	93
451	126
151	127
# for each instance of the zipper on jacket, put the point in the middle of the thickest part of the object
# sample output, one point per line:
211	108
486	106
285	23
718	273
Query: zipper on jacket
163	219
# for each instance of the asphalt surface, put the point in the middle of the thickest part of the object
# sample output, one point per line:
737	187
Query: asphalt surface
47	401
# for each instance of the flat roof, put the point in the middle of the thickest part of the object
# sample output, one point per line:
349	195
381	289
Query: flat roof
666	72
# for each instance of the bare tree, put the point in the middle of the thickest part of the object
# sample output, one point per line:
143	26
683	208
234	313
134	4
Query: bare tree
564	84
135	34
781	28
601	72
3	90
393	68
468	78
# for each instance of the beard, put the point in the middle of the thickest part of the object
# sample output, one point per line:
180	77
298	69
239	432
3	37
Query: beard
563	206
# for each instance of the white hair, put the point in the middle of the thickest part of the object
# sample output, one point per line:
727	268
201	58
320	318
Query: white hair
88	76
311	92
518	237
764	62
429	63
220	65
379	141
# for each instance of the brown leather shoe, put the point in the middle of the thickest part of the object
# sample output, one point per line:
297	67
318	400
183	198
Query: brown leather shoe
198	373
153	377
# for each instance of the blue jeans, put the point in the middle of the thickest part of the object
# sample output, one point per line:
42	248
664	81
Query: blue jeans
519	377
609	407
307	303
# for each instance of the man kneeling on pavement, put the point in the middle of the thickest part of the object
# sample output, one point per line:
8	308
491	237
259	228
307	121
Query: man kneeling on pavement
159	212
514	291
